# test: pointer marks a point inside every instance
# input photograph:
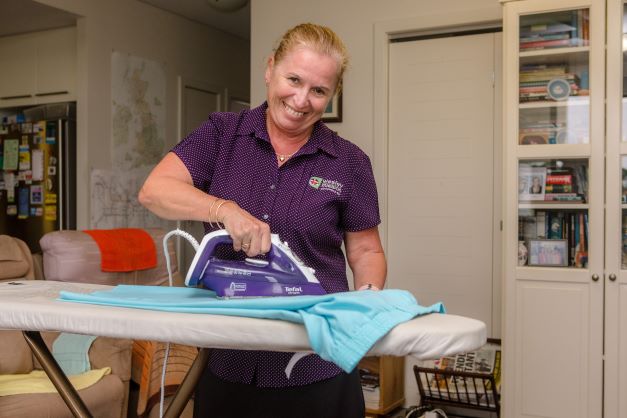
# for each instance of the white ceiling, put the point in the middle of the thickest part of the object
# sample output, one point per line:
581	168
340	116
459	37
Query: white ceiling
22	16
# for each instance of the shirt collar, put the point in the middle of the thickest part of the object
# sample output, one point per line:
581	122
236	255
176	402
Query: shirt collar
254	124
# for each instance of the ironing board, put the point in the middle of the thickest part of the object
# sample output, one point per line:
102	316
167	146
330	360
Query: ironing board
32	306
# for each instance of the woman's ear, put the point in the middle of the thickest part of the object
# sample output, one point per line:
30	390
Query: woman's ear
269	67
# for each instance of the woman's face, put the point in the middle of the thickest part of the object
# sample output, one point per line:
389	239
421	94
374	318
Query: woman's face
299	89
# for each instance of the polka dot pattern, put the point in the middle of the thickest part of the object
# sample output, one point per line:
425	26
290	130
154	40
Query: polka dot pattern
324	190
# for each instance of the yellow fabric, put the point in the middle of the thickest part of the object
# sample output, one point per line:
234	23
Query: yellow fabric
37	381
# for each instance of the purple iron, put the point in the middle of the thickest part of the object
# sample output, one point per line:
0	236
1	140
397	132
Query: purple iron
282	274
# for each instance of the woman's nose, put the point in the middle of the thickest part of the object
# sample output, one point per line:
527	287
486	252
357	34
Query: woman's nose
300	98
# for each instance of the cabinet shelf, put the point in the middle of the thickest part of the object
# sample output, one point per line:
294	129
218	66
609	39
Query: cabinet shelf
550	206
572	101
554	51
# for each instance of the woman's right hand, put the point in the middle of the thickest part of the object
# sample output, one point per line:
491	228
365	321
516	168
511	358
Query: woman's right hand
249	234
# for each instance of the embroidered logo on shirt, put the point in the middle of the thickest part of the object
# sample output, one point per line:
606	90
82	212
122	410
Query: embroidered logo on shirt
328	185
315	182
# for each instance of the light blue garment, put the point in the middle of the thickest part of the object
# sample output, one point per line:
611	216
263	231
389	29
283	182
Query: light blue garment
342	327
71	351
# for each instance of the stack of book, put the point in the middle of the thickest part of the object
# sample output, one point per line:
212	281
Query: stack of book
572	31
534	79
560	187
542	132
370	387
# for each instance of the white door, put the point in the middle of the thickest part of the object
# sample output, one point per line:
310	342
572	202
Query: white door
197	101
441	179
444	186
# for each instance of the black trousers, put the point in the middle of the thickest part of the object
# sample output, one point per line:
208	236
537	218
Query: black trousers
338	397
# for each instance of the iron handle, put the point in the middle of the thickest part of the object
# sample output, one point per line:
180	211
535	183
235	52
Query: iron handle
612	277
595	277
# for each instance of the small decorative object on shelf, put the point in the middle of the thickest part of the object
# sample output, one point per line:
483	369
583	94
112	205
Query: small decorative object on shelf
522	253
558	89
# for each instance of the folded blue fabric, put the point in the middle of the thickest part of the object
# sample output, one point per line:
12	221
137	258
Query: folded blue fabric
342	327
71	351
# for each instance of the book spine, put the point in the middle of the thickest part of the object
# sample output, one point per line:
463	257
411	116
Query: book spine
559	188
544	44
559	179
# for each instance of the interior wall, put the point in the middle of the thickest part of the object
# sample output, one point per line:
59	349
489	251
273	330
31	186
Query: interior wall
189	49
353	21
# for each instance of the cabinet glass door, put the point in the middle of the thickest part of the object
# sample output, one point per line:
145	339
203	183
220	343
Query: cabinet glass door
553	109
554	78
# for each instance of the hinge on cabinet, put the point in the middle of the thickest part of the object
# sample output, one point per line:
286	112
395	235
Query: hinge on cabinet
501	224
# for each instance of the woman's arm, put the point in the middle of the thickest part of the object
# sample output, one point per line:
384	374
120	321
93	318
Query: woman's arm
366	258
169	193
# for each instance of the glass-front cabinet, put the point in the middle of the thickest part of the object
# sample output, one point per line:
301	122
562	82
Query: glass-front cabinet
554	226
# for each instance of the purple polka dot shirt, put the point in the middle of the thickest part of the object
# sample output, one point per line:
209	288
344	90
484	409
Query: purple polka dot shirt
322	191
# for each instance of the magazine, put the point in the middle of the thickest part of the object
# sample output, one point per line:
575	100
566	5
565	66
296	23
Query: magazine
486	360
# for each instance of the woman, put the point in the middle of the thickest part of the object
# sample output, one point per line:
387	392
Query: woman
277	168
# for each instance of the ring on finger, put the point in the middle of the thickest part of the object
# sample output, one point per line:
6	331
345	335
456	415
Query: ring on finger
245	245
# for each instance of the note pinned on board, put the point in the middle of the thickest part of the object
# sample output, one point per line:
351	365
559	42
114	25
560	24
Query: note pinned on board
37	157
11	153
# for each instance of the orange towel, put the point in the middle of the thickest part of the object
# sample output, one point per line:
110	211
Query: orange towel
125	249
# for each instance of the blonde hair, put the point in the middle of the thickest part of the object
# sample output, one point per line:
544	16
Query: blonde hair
318	38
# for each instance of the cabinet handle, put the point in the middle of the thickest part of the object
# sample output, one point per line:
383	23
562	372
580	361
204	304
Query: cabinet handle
595	277
612	277
52	93
23	96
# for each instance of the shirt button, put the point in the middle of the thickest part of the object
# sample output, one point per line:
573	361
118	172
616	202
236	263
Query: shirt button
272	187
266	216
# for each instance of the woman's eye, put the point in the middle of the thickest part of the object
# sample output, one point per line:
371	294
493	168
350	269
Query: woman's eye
293	80
319	92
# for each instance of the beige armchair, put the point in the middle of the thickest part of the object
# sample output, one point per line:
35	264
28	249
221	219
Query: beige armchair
107	398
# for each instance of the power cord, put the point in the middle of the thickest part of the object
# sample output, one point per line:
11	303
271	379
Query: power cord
168	264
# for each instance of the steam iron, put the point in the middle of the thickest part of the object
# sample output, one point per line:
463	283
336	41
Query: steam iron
282	274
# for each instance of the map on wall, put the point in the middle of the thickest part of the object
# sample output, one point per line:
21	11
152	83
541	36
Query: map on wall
137	111
137	143
114	201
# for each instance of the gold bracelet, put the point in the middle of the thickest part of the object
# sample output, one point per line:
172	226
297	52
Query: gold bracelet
210	208
218	209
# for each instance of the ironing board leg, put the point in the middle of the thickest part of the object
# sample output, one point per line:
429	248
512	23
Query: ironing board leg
185	390
56	375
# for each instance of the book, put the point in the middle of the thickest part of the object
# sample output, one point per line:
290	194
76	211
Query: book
559	179
559	188
548	43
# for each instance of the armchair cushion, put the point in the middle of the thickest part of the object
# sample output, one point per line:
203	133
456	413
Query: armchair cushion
16	260
15	355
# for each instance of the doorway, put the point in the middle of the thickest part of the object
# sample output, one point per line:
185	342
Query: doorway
443	180
196	101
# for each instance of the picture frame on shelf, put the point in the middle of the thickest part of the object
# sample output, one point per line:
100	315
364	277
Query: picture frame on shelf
333	112
548	252
531	183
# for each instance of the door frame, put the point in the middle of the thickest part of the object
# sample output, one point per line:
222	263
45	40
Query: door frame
182	84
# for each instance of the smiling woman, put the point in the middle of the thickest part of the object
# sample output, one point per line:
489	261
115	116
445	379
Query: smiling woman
278	168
